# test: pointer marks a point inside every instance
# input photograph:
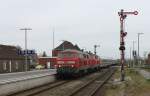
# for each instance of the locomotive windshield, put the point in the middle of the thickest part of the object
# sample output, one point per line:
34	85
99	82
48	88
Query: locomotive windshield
67	55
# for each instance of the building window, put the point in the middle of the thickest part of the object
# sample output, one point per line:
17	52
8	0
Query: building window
4	65
17	65
31	61
10	69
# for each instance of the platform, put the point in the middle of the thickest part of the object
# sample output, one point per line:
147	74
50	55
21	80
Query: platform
18	76
14	82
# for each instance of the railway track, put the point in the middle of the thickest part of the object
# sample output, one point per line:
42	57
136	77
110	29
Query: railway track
39	89
89	85
92	87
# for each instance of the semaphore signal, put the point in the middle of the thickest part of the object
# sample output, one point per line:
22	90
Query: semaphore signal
123	16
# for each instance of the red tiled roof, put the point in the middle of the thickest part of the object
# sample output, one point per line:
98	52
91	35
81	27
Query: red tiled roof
67	45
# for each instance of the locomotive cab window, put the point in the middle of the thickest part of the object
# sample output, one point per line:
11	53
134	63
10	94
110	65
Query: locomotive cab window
87	57
67	55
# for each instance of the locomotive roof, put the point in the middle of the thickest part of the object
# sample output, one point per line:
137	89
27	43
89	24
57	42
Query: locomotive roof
72	50
77	51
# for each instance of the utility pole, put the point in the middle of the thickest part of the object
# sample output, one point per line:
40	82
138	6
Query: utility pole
95	46
134	54
123	15
130	57
26	62
139	48
133	45
53	37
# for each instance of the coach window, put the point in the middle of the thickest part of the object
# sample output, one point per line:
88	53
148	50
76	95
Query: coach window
84	55
4	65
95	57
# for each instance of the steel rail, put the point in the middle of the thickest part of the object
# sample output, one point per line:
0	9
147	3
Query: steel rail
39	89
106	76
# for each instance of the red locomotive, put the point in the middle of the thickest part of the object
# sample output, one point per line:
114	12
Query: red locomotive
72	62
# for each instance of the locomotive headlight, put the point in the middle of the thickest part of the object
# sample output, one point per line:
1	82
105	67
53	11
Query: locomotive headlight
55	66
72	65
71	62
60	62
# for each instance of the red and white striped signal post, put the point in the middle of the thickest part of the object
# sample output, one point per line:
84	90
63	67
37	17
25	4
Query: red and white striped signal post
123	15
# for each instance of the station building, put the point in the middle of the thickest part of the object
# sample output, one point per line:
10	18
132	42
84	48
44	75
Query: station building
11	61
49	62
65	45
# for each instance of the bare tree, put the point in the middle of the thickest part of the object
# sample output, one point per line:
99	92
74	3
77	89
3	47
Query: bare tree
44	54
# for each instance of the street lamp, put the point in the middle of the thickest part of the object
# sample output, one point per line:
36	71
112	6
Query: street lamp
26	63
139	47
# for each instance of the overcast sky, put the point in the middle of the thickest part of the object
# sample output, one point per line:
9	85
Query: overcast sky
83	22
